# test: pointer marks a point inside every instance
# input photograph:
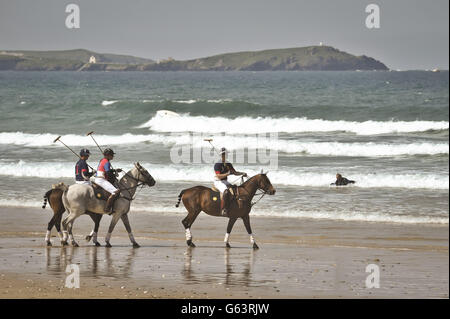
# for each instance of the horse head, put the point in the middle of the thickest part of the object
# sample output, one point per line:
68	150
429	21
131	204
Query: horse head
265	184
144	176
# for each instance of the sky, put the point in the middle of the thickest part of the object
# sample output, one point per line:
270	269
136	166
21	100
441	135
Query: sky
413	34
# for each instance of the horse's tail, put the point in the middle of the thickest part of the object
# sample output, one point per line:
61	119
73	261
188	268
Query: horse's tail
46	198
179	198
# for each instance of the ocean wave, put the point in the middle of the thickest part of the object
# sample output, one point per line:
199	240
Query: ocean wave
234	142
106	102
359	216
251	125
285	176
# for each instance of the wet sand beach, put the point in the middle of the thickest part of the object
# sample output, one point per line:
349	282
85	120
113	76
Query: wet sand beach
298	258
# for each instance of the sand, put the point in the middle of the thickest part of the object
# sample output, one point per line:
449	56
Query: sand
298	258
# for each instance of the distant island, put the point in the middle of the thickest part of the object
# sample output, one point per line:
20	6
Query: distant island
312	58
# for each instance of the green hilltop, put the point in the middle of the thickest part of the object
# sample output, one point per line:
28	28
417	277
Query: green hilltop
312	58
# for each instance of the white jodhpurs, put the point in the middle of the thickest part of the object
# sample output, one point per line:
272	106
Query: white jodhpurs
105	184
83	182
222	185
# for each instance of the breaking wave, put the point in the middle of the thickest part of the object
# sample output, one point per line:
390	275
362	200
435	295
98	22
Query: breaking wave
251	125
233	142
289	177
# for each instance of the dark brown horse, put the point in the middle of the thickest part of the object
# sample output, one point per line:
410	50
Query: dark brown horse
54	198
201	198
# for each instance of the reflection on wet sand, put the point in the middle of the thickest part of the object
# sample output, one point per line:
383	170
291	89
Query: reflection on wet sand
93	262
237	270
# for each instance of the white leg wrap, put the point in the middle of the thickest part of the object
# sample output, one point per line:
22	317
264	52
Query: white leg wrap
108	237
65	235
252	239
60	234
92	233
47	235
188	234
130	235
227	236
70	237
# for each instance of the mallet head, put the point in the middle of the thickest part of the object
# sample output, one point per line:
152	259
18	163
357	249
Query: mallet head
57	139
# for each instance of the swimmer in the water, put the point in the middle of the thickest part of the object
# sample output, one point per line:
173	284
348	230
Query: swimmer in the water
341	181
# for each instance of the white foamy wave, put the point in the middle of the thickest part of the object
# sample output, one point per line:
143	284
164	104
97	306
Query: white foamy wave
140	208
106	103
234	142
195	173
249	125
185	101
46	139
20	203
332	215
354	216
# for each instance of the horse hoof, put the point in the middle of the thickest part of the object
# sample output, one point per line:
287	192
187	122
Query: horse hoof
227	245
97	244
74	244
190	243
64	243
88	238
136	245
108	245
255	246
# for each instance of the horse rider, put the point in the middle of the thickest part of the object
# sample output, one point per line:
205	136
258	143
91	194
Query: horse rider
105	175
82	174
342	181
222	170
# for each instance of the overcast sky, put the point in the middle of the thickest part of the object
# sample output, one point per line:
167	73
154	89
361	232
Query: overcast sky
413	34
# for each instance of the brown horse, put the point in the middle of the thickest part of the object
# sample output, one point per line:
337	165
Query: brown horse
54	198
201	198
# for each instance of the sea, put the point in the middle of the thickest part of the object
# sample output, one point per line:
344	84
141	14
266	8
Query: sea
388	131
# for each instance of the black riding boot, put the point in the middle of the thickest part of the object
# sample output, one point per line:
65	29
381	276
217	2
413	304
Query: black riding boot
110	201
226	202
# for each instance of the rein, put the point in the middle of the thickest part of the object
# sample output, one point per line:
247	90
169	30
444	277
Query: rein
128	188
263	193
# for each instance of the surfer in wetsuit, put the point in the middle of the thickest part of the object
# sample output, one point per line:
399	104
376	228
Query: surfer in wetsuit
342	181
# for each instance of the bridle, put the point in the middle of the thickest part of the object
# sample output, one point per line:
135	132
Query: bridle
139	183
262	193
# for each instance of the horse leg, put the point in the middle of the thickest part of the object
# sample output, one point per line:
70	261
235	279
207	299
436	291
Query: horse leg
51	223
96	218
187	223
58	218
113	223
246	221
67	227
126	223
231	222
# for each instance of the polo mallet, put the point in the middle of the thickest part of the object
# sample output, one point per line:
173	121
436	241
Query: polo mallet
90	134
209	140
58	139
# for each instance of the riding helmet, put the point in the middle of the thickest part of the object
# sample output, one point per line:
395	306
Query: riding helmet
108	151
85	152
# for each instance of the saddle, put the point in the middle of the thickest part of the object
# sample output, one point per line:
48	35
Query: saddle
215	196
99	192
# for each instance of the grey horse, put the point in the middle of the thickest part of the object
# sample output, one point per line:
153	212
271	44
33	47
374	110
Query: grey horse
79	199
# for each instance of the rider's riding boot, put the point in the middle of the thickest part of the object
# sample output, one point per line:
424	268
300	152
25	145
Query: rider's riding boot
110	201
226	202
